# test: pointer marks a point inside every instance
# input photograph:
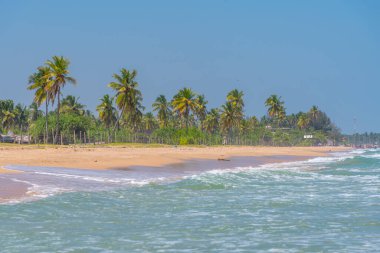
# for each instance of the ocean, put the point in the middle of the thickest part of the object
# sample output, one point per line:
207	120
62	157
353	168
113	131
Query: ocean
329	204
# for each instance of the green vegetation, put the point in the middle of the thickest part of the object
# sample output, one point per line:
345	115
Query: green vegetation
183	120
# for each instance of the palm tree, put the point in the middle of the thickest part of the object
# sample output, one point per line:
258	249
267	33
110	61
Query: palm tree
162	107
5	105
276	108
236	102
235	97
21	119
38	82
201	110
230	117
107	113
292	120
70	104
183	103
8	119
128	97
59	76
314	111
249	124
34	112
211	122
303	121
149	122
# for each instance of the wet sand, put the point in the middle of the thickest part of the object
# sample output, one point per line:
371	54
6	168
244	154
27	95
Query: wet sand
10	190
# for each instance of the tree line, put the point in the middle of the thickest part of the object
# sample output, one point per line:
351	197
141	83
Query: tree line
184	119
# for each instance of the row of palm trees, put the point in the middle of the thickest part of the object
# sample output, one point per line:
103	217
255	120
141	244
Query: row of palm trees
186	108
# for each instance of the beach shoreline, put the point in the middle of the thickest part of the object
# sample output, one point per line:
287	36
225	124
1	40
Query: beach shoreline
111	157
133	158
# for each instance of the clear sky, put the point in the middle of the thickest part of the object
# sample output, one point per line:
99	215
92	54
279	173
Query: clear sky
325	53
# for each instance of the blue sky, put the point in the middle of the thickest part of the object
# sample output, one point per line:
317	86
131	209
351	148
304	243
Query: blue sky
309	52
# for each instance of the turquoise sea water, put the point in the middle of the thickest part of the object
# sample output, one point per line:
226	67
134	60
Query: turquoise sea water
321	205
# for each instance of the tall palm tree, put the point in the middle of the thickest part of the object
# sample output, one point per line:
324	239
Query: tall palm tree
184	102
303	121
314	111
230	118
107	113
162	107
34	112
8	119
276	108
201	110
38	82
249	124
235	97
71	104
236	104
149	122
5	106
128	96
292	120
59	76
211	122
21	118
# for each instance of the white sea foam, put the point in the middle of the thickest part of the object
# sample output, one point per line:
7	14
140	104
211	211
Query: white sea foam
39	191
376	156
45	182
316	163
358	151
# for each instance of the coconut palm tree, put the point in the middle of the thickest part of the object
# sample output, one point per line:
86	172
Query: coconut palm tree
201	110
107	113
58	77
34	112
276	109
292	120
128	96
5	105
38	82
21	118
230	117
185	102
235	97
211	123
249	124
8	119
70	104
162	107
314	111
303	121
236	102
149	122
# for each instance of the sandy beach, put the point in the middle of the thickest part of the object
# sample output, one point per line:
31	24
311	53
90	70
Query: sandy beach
122	157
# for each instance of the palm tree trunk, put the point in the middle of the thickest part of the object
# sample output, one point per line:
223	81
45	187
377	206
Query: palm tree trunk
187	119
21	139
58	108
118	119
46	120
